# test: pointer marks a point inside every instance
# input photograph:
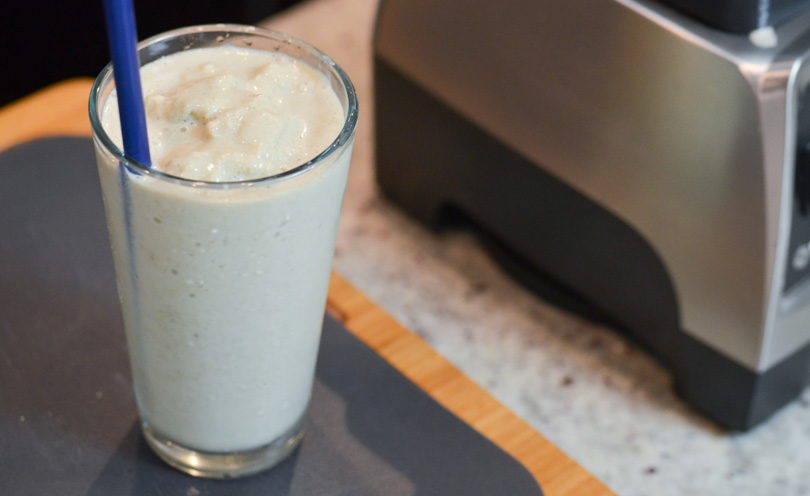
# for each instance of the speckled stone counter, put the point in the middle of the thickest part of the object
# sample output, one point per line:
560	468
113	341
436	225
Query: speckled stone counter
585	387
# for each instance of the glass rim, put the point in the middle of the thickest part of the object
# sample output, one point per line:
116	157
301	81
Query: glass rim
339	143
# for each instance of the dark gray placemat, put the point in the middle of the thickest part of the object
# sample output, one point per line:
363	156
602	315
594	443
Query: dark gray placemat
68	422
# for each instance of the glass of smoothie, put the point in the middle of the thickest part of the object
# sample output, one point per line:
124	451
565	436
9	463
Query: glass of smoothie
223	246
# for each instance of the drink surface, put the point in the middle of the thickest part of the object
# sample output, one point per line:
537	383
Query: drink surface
231	114
223	289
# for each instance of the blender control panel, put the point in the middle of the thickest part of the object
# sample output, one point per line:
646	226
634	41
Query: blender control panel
798	265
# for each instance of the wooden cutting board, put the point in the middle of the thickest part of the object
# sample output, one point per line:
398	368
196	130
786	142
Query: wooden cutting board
62	110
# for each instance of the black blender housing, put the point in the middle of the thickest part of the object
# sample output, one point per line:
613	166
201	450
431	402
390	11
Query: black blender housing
740	16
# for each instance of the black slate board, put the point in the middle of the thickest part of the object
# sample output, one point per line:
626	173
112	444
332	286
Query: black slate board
68	422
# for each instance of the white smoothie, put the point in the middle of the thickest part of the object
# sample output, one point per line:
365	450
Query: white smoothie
223	286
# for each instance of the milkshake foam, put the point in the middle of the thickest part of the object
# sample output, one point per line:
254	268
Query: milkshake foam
231	114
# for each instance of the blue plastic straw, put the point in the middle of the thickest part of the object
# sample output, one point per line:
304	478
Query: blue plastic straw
123	38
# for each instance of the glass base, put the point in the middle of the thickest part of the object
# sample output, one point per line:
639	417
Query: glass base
214	465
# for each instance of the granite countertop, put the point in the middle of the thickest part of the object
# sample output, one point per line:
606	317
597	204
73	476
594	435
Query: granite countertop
585	387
